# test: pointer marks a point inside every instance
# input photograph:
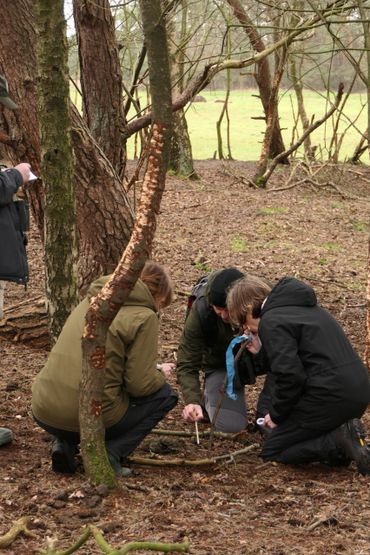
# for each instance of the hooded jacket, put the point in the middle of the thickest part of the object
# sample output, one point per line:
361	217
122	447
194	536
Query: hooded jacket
320	380
13	259
131	356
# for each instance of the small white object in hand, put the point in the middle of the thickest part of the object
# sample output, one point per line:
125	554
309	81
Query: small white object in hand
32	177
197	433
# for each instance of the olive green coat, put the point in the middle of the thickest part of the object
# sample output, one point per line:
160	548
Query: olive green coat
194	355
131	357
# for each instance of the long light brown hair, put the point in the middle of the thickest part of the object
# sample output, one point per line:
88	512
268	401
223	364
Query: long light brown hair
246	297
157	279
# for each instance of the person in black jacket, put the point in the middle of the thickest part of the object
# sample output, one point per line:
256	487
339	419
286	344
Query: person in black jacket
13	224
13	261
321	387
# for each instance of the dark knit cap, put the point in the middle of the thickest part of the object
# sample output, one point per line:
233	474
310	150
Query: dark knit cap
220	285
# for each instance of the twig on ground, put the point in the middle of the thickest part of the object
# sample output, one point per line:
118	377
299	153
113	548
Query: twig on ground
324	519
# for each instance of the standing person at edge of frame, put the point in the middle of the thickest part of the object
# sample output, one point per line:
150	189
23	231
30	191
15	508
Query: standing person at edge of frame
203	344
136	395
13	259
321	387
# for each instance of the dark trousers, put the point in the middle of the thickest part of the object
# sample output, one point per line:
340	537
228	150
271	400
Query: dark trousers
289	443
140	418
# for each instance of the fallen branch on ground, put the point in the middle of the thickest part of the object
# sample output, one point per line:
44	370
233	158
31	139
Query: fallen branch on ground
324	519
180	433
19	527
191	462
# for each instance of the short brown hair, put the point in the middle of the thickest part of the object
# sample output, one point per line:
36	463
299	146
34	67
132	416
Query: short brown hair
158	281
246	297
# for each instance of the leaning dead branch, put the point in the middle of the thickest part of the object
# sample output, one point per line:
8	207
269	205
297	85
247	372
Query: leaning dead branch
192	462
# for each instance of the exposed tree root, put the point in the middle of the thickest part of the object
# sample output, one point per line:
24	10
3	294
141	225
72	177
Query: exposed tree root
20	526
92	531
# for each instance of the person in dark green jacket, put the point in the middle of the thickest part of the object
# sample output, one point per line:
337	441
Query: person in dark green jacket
202	347
321	386
135	397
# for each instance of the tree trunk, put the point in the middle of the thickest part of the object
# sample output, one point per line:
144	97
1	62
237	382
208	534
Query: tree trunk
298	89
106	305
263	79
271	118
181	156
101	79
104	215
19	66
57	166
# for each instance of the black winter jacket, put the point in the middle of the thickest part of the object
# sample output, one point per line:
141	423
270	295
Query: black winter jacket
13	224
320	379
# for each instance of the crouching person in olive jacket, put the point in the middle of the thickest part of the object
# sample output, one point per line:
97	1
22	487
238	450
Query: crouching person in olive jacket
136	396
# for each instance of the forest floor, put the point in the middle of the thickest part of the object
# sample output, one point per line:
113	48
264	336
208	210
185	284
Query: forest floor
316	231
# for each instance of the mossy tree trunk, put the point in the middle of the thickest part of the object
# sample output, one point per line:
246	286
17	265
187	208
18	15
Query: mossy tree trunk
181	155
57	165
106	305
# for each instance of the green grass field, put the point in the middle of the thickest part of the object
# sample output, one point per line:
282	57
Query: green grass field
247	134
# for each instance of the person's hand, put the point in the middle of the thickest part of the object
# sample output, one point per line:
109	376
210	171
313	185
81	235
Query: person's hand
254	345
25	170
269	423
167	368
192	413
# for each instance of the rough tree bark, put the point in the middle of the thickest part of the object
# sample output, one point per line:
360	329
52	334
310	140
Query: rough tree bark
101	79
57	166
18	64
105	306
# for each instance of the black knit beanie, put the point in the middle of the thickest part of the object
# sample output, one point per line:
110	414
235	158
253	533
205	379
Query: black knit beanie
220	285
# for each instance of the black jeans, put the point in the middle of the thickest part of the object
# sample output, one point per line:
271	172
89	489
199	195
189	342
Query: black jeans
140	418
289	443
